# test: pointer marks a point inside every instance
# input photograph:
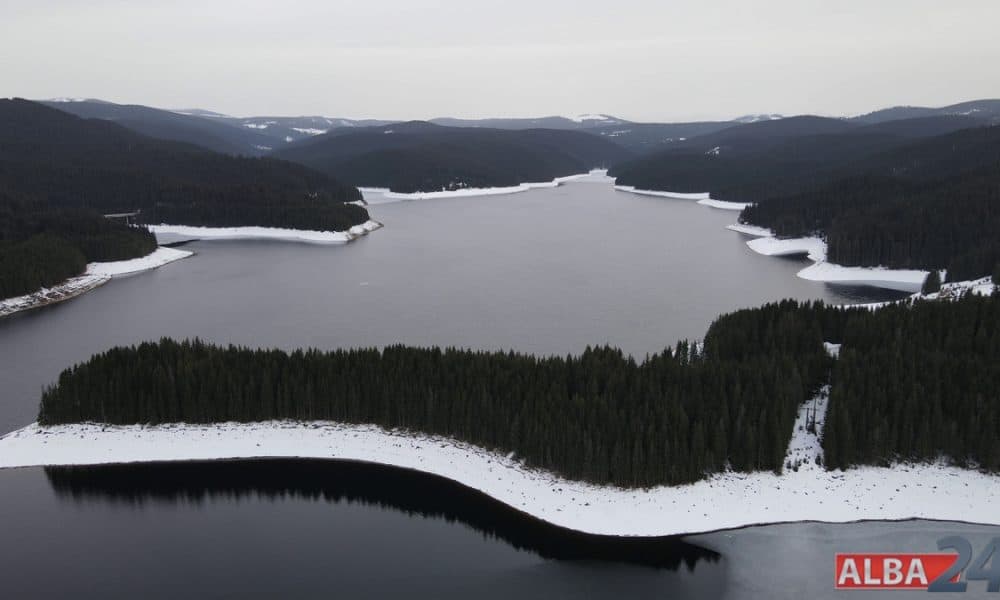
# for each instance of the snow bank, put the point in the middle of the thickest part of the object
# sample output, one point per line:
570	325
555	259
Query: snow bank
814	248
678	195
804	492
723	204
265	233
903	280
97	274
71	288
949	291
156	258
750	230
375	195
702	197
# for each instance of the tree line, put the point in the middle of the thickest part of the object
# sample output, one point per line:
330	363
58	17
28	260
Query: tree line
599	416
916	381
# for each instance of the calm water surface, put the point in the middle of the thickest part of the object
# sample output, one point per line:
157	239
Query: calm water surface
547	271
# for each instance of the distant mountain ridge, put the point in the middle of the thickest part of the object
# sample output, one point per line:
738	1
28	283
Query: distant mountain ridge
262	135
987	110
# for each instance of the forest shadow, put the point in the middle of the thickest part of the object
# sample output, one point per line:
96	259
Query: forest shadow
410	492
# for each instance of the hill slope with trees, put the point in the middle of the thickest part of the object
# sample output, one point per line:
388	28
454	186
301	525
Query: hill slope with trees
421	156
60	173
933	204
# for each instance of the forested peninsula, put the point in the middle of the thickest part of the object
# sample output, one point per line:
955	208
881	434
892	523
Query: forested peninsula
913	382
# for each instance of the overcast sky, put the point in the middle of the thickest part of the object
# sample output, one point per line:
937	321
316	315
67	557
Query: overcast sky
406	59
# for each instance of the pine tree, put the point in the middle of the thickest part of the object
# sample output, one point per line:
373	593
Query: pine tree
932	283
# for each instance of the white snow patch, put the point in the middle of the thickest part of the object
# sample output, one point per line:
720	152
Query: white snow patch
750	230
812	247
678	195
121	268
590	117
934	491
724	204
904	280
97	274
375	195
265	233
310	130
983	286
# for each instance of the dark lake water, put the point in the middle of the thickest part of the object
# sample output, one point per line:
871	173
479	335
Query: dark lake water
547	271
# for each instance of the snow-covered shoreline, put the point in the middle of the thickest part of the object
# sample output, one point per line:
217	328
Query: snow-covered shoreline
97	274
178	233
376	195
806	492
765	242
703	198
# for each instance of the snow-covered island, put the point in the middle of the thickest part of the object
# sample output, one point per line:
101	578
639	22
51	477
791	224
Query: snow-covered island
814	248
177	233
805	491
97	274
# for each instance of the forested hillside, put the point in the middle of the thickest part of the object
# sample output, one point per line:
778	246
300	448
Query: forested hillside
933	204
60	173
420	156
62	160
757	161
42	246
918	383
211	134
249	136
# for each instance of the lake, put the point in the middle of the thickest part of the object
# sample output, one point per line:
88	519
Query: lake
546	271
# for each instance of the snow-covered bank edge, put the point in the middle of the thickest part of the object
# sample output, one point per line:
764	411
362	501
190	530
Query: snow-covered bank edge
805	492
189	232
702	198
375	195
954	290
765	243
97	274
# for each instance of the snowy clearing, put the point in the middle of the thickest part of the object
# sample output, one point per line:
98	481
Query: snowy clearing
374	195
187	232
805	492
949	291
97	274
